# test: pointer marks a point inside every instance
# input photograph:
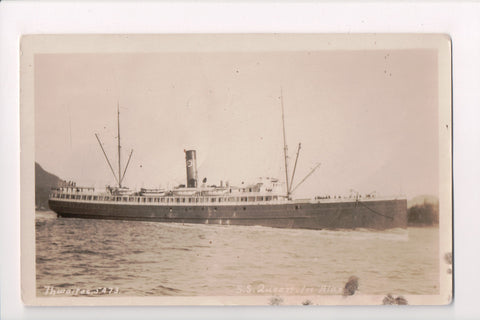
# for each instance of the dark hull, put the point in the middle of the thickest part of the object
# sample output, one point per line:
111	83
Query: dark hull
378	214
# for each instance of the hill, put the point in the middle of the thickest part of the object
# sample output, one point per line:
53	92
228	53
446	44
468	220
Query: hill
44	181
423	211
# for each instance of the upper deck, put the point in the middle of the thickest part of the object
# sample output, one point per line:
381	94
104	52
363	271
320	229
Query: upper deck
199	199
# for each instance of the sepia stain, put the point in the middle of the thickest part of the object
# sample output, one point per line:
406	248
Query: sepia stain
351	286
307	303
448	257
449	260
391	300
276	301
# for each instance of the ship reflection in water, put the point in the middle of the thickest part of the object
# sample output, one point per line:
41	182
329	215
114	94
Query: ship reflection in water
140	258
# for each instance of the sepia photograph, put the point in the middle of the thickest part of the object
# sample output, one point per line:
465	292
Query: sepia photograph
236	169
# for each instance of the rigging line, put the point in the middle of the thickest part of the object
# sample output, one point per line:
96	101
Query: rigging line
125	171
294	167
109	164
376	212
306	177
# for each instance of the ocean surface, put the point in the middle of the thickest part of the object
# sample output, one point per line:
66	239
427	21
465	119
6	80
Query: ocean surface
79	257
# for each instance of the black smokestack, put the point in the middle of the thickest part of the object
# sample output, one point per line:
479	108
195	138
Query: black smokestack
191	164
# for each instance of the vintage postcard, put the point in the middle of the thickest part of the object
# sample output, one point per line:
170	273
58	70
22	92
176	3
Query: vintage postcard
236	169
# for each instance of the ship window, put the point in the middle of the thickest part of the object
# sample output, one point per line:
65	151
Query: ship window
249	189
183	199
259	198
149	199
125	199
177	199
143	199
212	200
251	198
219	199
162	199
131	199
275	197
95	198
268	198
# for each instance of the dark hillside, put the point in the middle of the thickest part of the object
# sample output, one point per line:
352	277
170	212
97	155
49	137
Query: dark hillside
423	211
44	181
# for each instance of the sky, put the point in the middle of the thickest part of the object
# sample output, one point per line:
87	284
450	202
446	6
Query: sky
370	117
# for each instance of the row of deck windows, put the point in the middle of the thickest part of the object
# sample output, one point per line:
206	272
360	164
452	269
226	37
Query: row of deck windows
164	199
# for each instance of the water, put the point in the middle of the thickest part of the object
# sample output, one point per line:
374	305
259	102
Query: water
133	258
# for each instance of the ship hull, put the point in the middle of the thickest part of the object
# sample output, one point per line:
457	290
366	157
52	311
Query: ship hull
374	214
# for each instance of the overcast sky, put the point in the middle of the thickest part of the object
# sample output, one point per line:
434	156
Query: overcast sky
369	117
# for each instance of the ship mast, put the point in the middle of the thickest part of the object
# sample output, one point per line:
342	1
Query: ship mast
290	188
119	148
118	178
285	148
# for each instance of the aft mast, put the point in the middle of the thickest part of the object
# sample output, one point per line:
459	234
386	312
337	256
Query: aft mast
285	148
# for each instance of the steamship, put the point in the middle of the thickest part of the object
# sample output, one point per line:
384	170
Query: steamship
257	204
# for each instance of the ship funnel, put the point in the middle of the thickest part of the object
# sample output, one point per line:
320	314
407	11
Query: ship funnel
191	164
